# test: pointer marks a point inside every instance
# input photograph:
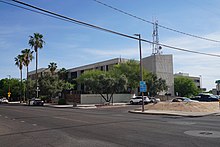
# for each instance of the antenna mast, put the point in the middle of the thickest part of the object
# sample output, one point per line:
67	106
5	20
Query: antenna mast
156	49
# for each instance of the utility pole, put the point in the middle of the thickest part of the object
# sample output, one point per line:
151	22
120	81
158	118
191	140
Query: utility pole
141	69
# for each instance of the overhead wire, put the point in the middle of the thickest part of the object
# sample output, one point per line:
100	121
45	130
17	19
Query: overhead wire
65	18
34	11
162	26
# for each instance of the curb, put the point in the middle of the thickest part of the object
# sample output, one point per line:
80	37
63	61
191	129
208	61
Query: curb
172	114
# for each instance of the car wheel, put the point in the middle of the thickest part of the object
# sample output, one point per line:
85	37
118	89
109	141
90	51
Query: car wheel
131	102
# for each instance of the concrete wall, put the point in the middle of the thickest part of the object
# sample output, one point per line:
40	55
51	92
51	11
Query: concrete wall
162	66
97	99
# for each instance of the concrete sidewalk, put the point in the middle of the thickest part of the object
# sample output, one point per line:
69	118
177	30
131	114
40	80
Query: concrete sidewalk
70	106
84	106
175	113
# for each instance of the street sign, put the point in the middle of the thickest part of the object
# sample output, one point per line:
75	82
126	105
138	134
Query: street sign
143	86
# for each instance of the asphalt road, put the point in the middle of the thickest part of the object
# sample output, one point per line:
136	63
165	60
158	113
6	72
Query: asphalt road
29	126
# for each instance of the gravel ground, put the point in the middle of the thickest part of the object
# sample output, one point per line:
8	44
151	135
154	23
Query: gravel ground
185	106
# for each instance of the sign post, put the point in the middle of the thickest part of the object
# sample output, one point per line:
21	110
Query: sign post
143	88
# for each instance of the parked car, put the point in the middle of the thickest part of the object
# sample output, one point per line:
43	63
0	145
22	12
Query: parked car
218	96
206	98
138	100
3	100
36	102
154	100
183	99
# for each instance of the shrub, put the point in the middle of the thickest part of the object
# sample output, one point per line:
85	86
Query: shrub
44	98
62	102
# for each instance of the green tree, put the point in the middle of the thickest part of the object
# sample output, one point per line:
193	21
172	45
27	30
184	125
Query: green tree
62	73
19	63
4	87
27	58
154	84
131	69
36	42
103	83
185	86
50	86
52	66
14	88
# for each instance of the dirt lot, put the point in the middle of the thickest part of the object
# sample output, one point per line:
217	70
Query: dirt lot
185	106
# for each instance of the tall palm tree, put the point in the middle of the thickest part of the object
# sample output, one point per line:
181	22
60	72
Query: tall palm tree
52	66
28	57
36	42
19	64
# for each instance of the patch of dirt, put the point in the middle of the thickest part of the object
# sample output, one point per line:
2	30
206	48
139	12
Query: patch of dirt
184	106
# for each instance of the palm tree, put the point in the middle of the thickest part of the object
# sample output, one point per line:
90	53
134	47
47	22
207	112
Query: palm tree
28	57
52	66
36	42
19	64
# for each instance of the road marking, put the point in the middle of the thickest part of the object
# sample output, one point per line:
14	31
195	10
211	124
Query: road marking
22	121
13	119
6	116
71	119
34	124
0	115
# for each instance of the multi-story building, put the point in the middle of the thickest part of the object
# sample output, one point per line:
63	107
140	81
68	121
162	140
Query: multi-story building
196	80
40	73
107	65
161	65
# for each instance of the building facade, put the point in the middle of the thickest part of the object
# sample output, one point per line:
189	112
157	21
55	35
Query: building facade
107	65
162	66
41	72
196	80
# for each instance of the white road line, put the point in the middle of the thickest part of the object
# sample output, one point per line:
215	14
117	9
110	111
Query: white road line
0	115
34	124
22	121
13	119
6	116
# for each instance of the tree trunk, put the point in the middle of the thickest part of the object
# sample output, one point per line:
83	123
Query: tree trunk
103	97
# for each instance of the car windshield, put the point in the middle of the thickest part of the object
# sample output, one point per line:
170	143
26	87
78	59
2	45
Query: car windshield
187	98
213	96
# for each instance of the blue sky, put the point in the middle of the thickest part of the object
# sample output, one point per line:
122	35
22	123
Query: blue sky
71	45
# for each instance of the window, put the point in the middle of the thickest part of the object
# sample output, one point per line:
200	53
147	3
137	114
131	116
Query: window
73	75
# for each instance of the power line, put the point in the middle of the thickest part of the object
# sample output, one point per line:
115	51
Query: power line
35	11
162	26
76	21
65	18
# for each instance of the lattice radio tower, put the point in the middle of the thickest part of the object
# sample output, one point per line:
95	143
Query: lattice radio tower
156	49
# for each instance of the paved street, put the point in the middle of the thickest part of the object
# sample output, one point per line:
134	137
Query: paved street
44	126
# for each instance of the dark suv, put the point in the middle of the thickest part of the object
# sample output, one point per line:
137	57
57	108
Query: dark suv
206	98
